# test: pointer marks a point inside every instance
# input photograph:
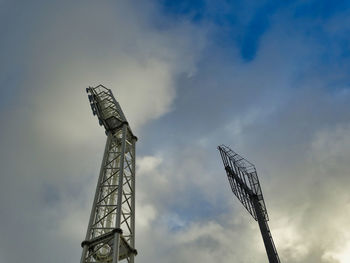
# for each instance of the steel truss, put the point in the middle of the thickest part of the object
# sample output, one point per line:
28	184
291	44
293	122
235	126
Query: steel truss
244	183
110	236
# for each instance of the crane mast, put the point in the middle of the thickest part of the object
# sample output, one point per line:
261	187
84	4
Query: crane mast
110	235
245	185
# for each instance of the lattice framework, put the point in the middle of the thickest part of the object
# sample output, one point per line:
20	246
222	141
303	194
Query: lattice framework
110	235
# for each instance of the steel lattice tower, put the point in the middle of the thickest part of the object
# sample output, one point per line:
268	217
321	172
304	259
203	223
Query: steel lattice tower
110	235
244	183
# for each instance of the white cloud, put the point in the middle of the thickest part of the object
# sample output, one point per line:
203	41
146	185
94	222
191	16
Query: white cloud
51	145
340	255
145	215
147	164
52	130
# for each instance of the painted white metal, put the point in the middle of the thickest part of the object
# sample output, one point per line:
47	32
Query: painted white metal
110	236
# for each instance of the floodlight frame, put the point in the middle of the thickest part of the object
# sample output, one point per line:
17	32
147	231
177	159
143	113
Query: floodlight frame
245	185
107	108
243	180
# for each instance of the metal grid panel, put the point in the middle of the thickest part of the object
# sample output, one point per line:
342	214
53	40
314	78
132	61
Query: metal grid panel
245	185
106	107
243	180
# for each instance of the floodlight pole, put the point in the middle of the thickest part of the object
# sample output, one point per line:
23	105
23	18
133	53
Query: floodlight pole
245	185
265	233
110	235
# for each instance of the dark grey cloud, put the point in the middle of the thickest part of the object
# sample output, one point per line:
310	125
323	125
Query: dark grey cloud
275	110
50	143
286	111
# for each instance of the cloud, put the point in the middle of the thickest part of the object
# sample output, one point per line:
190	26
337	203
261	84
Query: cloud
279	111
52	145
184	91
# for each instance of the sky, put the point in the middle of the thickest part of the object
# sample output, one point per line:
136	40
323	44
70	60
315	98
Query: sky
270	79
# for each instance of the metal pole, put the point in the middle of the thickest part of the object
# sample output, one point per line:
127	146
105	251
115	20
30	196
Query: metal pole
120	196
265	232
133	181
93	209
